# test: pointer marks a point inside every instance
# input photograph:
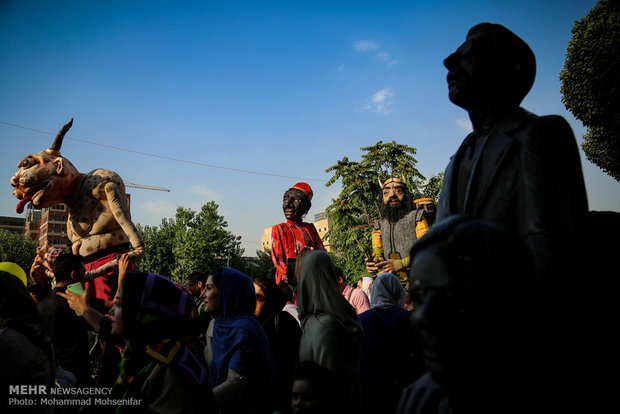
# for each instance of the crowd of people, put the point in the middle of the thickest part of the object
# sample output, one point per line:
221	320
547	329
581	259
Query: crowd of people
245	347
475	312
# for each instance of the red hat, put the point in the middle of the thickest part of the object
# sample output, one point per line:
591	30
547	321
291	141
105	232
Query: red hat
305	188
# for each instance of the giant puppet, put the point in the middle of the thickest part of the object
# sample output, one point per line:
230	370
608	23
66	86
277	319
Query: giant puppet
395	232
293	237
99	224
516	169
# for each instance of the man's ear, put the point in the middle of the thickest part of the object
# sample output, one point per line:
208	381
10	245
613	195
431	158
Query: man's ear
199	284
59	163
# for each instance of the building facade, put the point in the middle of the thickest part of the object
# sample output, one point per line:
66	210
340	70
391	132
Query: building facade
53	229
13	224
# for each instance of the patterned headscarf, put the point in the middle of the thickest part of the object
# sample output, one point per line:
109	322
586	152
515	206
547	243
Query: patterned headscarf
159	321
52	255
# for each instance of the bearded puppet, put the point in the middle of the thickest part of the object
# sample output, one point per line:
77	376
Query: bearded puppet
99	225
403	220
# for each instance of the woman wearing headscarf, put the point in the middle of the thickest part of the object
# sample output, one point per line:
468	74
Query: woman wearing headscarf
391	355
332	332
283	333
26	354
241	367
160	364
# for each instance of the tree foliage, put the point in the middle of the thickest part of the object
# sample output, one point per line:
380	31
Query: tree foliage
192	241
262	266
17	248
591	83
353	213
430	188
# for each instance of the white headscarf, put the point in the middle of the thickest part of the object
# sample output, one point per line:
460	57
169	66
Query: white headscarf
387	291
366	285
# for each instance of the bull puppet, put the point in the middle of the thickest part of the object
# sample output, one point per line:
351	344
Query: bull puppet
99	224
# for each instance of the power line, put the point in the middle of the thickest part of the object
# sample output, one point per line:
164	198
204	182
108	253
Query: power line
202	164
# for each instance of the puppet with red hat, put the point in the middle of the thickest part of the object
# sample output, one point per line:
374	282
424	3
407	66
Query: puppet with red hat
294	236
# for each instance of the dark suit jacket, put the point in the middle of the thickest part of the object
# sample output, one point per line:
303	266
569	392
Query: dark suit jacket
529	181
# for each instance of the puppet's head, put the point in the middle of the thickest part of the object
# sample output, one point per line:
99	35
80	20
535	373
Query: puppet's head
397	199
44	178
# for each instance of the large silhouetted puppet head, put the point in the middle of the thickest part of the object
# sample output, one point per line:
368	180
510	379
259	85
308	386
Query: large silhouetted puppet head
475	300
492	67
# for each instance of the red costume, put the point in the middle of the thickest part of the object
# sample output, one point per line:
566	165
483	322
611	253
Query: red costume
103	287
291	238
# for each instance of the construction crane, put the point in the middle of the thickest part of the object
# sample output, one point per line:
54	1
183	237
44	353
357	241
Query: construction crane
145	187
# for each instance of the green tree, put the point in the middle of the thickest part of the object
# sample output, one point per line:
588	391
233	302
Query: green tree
591	83
353	213
430	188
159	242
192	241
17	248
262	266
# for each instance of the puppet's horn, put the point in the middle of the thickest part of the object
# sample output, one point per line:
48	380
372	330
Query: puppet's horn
61	134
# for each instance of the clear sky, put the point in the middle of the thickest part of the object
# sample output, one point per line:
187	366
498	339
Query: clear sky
283	88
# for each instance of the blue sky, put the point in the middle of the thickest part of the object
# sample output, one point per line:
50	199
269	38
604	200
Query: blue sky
280	88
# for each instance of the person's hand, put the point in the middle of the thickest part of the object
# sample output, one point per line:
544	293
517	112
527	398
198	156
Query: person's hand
38	273
387	266
78	303
371	266
123	265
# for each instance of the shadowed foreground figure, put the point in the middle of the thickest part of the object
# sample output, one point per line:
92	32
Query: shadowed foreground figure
391	355
283	333
332	333
515	169
478	316
597	311
160	364
315	390
26	354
